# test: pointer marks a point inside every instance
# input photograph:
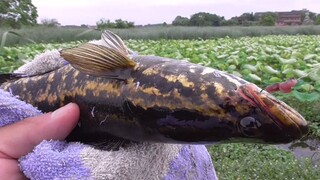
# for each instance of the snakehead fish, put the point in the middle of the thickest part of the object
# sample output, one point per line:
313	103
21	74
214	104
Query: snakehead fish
156	99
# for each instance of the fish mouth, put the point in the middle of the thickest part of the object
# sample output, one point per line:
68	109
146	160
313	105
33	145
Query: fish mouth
288	120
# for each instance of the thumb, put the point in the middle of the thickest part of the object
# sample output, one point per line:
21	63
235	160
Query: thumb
20	138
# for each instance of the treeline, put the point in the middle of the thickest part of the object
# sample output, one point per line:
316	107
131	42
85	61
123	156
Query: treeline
246	19
18	13
119	23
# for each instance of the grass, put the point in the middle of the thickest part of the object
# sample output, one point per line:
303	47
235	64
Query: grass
256	161
48	35
41	34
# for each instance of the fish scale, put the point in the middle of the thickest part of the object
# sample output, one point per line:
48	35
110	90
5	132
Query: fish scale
149	98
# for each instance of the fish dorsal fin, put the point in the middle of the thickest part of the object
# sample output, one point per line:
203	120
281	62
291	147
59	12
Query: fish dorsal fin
113	41
96	59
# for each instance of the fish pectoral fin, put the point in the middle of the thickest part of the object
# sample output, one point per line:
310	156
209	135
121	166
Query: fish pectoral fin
96	59
113	41
6	77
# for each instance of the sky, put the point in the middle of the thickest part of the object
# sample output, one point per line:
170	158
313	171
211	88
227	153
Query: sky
143	12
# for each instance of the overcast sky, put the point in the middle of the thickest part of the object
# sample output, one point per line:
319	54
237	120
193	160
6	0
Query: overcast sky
142	12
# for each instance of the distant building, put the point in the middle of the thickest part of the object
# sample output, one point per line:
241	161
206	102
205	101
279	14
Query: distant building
289	18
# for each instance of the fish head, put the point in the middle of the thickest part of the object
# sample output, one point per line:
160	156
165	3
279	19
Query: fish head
270	119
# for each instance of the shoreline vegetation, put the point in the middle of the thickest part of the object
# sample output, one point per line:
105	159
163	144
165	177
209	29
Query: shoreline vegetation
43	34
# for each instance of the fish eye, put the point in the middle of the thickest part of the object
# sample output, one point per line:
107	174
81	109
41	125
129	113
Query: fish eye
249	126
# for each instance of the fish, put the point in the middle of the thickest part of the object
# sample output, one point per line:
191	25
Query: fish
146	98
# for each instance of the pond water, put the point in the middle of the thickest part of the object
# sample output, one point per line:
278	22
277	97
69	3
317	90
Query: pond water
305	148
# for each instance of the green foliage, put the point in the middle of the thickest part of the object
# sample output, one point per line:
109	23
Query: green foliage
262	60
317	21
313	96
181	21
247	17
268	19
5	34
43	34
200	19
13	57
205	19
254	161
230	22
123	24
16	13
120	24
104	24
312	15
50	22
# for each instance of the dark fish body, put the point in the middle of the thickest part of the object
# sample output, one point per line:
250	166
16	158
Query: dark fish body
162	100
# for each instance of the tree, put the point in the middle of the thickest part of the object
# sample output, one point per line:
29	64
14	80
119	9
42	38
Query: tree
268	19
181	21
119	23
205	19
84	26
230	22
317	21
50	22
308	18
247	17
311	15
104	24
15	13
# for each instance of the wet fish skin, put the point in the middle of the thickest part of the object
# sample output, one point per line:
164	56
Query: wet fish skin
161	100
149	98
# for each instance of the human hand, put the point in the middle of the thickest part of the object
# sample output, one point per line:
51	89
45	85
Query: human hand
20	138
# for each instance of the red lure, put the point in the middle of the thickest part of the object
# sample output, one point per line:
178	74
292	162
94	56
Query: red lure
284	87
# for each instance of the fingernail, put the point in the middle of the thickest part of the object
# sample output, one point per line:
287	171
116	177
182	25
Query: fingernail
61	111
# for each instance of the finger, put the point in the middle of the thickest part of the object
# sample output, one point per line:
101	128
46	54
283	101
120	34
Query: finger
20	138
9	169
